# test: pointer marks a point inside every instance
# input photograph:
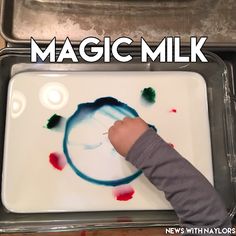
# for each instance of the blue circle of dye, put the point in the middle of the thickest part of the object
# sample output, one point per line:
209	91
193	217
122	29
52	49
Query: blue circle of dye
78	116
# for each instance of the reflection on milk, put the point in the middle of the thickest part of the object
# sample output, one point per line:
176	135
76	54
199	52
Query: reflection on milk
54	95
18	103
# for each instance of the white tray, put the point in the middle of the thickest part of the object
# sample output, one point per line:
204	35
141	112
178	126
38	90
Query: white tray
31	184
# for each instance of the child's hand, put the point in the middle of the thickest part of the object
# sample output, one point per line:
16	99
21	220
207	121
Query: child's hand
124	133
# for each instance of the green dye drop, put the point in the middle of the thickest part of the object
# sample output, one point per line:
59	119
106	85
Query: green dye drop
149	95
53	121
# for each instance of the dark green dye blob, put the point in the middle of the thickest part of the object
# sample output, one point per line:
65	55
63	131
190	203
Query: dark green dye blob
53	121
149	95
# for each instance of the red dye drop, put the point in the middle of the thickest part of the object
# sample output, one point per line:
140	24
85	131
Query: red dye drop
172	145
83	233
57	160
173	110
123	193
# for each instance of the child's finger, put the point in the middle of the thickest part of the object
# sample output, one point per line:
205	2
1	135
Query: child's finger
127	119
118	123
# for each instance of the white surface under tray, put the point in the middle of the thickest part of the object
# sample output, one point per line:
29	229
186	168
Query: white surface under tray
32	184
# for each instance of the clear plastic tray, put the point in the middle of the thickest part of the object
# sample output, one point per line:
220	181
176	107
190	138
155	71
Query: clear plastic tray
222	129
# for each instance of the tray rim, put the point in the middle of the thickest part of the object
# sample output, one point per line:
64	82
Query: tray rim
24	42
24	226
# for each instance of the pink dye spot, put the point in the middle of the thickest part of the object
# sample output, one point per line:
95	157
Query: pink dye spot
57	160
172	145
173	110
123	193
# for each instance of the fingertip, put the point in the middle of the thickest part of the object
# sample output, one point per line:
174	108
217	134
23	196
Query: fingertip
109	133
127	118
118	122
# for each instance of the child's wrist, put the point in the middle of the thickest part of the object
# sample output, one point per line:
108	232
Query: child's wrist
144	142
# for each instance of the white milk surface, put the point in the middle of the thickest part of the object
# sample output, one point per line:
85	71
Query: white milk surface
32	184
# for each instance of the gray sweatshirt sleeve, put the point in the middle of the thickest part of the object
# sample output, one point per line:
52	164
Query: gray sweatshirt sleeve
193	198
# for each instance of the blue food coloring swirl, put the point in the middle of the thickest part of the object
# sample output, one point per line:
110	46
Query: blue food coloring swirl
85	110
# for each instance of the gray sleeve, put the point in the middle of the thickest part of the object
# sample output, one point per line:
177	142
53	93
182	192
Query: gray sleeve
193	198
